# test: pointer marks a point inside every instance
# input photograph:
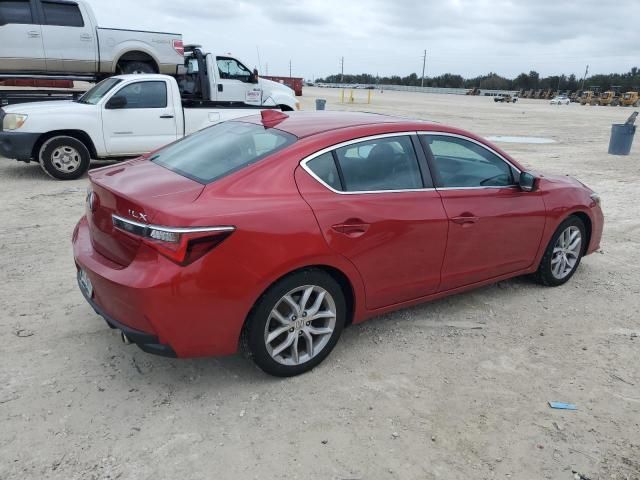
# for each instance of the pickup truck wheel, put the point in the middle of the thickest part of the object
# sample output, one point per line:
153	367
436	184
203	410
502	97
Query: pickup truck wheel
136	68
64	158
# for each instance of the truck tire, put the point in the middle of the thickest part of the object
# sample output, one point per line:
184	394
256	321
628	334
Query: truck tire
64	158
136	68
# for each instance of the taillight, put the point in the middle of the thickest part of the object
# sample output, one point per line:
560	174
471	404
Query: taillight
180	245
178	46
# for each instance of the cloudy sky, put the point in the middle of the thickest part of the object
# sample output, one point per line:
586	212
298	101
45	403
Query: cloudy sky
385	37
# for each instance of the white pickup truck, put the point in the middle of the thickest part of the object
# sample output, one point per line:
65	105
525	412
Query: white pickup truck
121	117
56	37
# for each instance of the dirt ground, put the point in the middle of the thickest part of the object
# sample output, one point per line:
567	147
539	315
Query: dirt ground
453	389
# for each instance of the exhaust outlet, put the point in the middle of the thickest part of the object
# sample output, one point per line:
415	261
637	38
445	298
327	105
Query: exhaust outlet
125	339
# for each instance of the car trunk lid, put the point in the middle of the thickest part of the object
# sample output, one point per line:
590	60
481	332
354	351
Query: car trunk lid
138	191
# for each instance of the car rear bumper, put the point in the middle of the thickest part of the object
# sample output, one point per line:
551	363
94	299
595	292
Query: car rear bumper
146	341
163	307
17	145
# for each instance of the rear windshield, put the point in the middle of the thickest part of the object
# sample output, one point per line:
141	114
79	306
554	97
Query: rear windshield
220	150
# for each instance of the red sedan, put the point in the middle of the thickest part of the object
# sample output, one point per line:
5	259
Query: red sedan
276	231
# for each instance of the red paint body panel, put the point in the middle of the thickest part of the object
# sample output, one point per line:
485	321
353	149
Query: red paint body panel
411	251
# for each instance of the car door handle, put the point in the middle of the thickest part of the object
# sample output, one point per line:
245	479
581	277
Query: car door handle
462	220
351	228
85	36
166	116
33	34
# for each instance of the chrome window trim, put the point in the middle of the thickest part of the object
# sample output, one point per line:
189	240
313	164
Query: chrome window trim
163	228
306	160
482	145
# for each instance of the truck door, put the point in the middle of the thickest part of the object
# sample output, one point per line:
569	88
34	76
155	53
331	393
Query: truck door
139	117
69	37
21	46
236	82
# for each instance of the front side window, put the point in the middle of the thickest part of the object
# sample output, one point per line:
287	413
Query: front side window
15	11
145	95
460	163
221	150
231	69
62	14
382	164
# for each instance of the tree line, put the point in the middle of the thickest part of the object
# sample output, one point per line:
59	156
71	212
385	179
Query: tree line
493	81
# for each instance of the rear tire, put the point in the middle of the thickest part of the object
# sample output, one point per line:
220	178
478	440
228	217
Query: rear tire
562	256
64	158
296	323
135	67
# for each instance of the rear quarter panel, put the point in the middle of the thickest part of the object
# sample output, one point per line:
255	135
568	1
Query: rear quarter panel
114	43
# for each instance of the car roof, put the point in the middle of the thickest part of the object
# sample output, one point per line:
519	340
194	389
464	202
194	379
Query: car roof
305	124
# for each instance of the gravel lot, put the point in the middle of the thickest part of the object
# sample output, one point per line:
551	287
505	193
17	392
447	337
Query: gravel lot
453	389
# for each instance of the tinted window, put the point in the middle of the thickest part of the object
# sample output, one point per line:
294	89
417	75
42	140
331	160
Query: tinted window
462	163
222	149
382	164
15	11
63	14
145	95
324	167
231	69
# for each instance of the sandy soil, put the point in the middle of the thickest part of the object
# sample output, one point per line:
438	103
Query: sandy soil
453	389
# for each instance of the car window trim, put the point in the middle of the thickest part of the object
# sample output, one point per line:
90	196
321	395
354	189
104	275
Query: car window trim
306	160
434	171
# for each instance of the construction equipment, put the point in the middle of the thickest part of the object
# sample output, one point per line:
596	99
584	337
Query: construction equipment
590	97
629	99
474	91
575	96
610	97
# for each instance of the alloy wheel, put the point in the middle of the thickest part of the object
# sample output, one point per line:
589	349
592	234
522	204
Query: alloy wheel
566	252
300	325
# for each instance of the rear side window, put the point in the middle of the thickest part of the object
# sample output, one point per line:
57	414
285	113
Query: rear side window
324	167
62	14
15	11
221	150
382	164
144	95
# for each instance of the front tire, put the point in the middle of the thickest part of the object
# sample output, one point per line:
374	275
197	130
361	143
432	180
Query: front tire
64	158
296	323
563	254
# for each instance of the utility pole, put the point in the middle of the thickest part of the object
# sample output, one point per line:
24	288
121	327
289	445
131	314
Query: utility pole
342	70
289	68
259	62
266	67
584	78
424	64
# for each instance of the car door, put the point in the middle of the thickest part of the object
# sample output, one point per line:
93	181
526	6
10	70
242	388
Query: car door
69	40
375	205
495	228
21	46
138	117
236	82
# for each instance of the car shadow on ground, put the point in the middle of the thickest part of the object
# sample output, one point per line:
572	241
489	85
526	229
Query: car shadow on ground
237	370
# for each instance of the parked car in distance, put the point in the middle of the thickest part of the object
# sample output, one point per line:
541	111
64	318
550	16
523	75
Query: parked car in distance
121	117
505	98
62	37
278	230
560	100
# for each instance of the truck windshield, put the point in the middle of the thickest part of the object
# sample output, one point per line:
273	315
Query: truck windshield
221	150
94	95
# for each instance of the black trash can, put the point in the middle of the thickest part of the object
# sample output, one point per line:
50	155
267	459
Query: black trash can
621	138
320	103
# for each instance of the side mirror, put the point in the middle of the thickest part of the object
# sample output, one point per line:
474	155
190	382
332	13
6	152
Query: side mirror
528	182
116	102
